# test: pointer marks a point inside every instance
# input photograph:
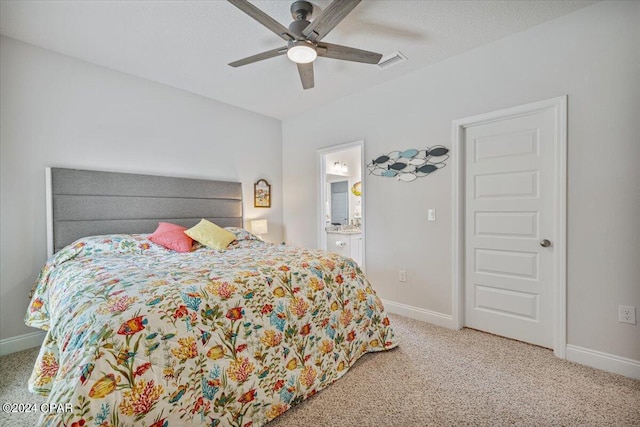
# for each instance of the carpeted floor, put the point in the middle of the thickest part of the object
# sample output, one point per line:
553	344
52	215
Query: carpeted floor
437	377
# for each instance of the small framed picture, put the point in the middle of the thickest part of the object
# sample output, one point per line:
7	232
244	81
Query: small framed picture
262	194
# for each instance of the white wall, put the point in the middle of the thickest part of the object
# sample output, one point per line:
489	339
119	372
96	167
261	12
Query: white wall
59	111
593	56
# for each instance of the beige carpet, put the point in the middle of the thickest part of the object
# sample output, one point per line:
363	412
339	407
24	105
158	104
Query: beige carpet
437	377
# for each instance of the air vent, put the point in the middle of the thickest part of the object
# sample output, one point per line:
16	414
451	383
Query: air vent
391	60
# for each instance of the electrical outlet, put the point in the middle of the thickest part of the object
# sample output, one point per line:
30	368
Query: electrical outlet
627	314
402	275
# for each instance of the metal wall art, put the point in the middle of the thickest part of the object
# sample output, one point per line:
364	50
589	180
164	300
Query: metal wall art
409	164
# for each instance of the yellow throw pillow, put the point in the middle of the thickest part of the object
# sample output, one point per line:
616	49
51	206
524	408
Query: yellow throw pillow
210	235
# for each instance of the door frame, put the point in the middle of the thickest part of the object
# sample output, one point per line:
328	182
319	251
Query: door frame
559	105
322	193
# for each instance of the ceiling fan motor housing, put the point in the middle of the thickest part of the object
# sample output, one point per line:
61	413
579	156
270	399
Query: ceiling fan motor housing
296	27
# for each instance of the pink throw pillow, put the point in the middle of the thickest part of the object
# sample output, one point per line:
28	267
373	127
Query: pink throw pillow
172	236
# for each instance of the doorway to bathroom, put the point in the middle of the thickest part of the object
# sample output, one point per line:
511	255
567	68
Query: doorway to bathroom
341	212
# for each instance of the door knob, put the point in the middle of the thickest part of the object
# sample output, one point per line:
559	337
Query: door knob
545	243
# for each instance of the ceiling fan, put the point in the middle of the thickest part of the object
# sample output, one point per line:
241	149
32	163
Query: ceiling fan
303	38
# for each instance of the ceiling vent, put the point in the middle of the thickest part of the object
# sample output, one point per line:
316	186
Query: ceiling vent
391	60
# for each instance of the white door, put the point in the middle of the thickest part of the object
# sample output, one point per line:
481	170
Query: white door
510	224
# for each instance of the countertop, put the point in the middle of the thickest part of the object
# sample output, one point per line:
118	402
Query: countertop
344	231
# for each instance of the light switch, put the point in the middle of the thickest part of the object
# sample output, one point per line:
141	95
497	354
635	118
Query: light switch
431	214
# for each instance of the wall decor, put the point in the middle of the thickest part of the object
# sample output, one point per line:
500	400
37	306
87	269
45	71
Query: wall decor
356	189
409	164
262	194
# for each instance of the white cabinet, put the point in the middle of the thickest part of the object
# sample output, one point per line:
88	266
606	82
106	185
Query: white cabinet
356	248
345	244
338	243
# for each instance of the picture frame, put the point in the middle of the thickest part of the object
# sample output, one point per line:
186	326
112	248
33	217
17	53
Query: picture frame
262	194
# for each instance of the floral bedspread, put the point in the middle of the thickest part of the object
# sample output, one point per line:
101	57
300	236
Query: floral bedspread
141	335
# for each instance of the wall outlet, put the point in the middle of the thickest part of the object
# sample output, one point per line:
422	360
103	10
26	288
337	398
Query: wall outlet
402	275
627	314
431	215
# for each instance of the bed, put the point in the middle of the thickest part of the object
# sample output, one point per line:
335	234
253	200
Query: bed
138	334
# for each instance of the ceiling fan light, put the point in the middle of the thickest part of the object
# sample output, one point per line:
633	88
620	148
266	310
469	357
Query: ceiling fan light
302	53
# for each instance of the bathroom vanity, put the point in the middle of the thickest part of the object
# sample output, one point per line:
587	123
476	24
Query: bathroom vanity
346	242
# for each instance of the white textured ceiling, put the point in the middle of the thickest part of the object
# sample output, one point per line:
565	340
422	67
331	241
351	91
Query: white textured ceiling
188	44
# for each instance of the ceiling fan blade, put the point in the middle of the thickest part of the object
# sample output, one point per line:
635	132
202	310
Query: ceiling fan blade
259	57
306	75
329	18
336	51
263	18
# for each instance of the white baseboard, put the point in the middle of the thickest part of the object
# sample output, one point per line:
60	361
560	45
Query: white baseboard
21	342
606	362
418	313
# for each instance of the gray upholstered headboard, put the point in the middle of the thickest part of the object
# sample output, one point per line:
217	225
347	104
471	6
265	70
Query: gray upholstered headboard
84	203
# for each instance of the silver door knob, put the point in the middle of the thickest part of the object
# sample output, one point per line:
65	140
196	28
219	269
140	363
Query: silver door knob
545	243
